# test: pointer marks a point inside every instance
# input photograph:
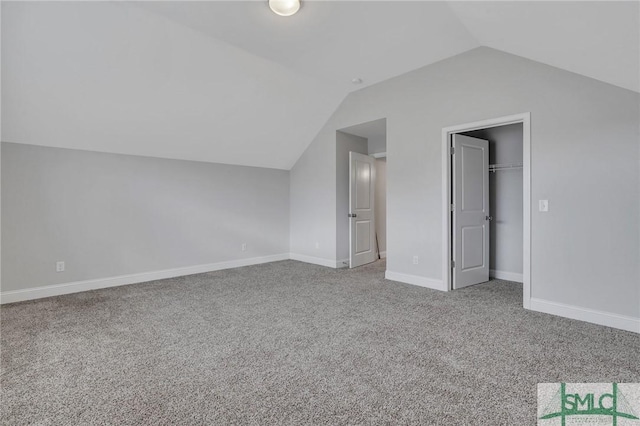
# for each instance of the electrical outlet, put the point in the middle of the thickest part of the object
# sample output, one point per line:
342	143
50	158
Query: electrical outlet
243	247
415	260
60	266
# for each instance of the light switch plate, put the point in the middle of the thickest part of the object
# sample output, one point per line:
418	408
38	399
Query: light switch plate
543	205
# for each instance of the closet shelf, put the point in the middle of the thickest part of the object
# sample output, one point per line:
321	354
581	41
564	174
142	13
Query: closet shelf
497	167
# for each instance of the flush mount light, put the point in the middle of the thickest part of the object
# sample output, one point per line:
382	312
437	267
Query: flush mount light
356	80
284	7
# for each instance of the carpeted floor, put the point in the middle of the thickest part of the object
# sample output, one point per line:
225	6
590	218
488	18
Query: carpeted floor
292	343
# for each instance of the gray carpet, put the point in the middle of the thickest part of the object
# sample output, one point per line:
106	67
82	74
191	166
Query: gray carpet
292	343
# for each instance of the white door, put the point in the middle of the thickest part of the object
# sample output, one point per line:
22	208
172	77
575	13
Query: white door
470	211
362	237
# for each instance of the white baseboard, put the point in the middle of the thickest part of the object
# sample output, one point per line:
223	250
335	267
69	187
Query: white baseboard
314	260
78	286
507	276
344	263
415	280
383	255
608	319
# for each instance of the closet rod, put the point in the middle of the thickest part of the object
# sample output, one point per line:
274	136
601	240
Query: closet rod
495	167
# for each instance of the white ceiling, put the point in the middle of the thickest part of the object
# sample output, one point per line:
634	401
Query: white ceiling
334	41
599	39
231	82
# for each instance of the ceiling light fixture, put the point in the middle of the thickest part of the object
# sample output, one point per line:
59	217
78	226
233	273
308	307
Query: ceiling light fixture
284	7
356	80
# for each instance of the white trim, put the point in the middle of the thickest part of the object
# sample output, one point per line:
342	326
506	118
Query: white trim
526	211
314	260
504	275
78	286
383	255
525	119
379	155
608	319
344	263
415	280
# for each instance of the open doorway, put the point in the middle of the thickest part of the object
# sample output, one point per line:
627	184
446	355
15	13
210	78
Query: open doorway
486	202
361	162
505	199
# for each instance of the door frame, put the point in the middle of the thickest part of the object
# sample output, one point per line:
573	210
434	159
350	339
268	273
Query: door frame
525	119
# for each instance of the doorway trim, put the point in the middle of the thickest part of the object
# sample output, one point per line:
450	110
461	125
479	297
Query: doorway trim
525	119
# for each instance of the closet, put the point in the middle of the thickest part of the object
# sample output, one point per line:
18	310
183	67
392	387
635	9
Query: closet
505	199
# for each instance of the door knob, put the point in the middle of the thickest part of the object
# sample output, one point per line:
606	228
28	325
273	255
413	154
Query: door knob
488	217
352	215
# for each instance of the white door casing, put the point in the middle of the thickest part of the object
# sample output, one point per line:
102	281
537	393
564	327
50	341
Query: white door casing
447	184
361	209
471	216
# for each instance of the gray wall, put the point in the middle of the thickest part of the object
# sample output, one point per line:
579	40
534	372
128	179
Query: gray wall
585	150
107	214
377	144
505	197
313	200
381	203
344	143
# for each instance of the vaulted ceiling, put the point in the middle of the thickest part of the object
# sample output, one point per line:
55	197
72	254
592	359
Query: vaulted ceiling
231	82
